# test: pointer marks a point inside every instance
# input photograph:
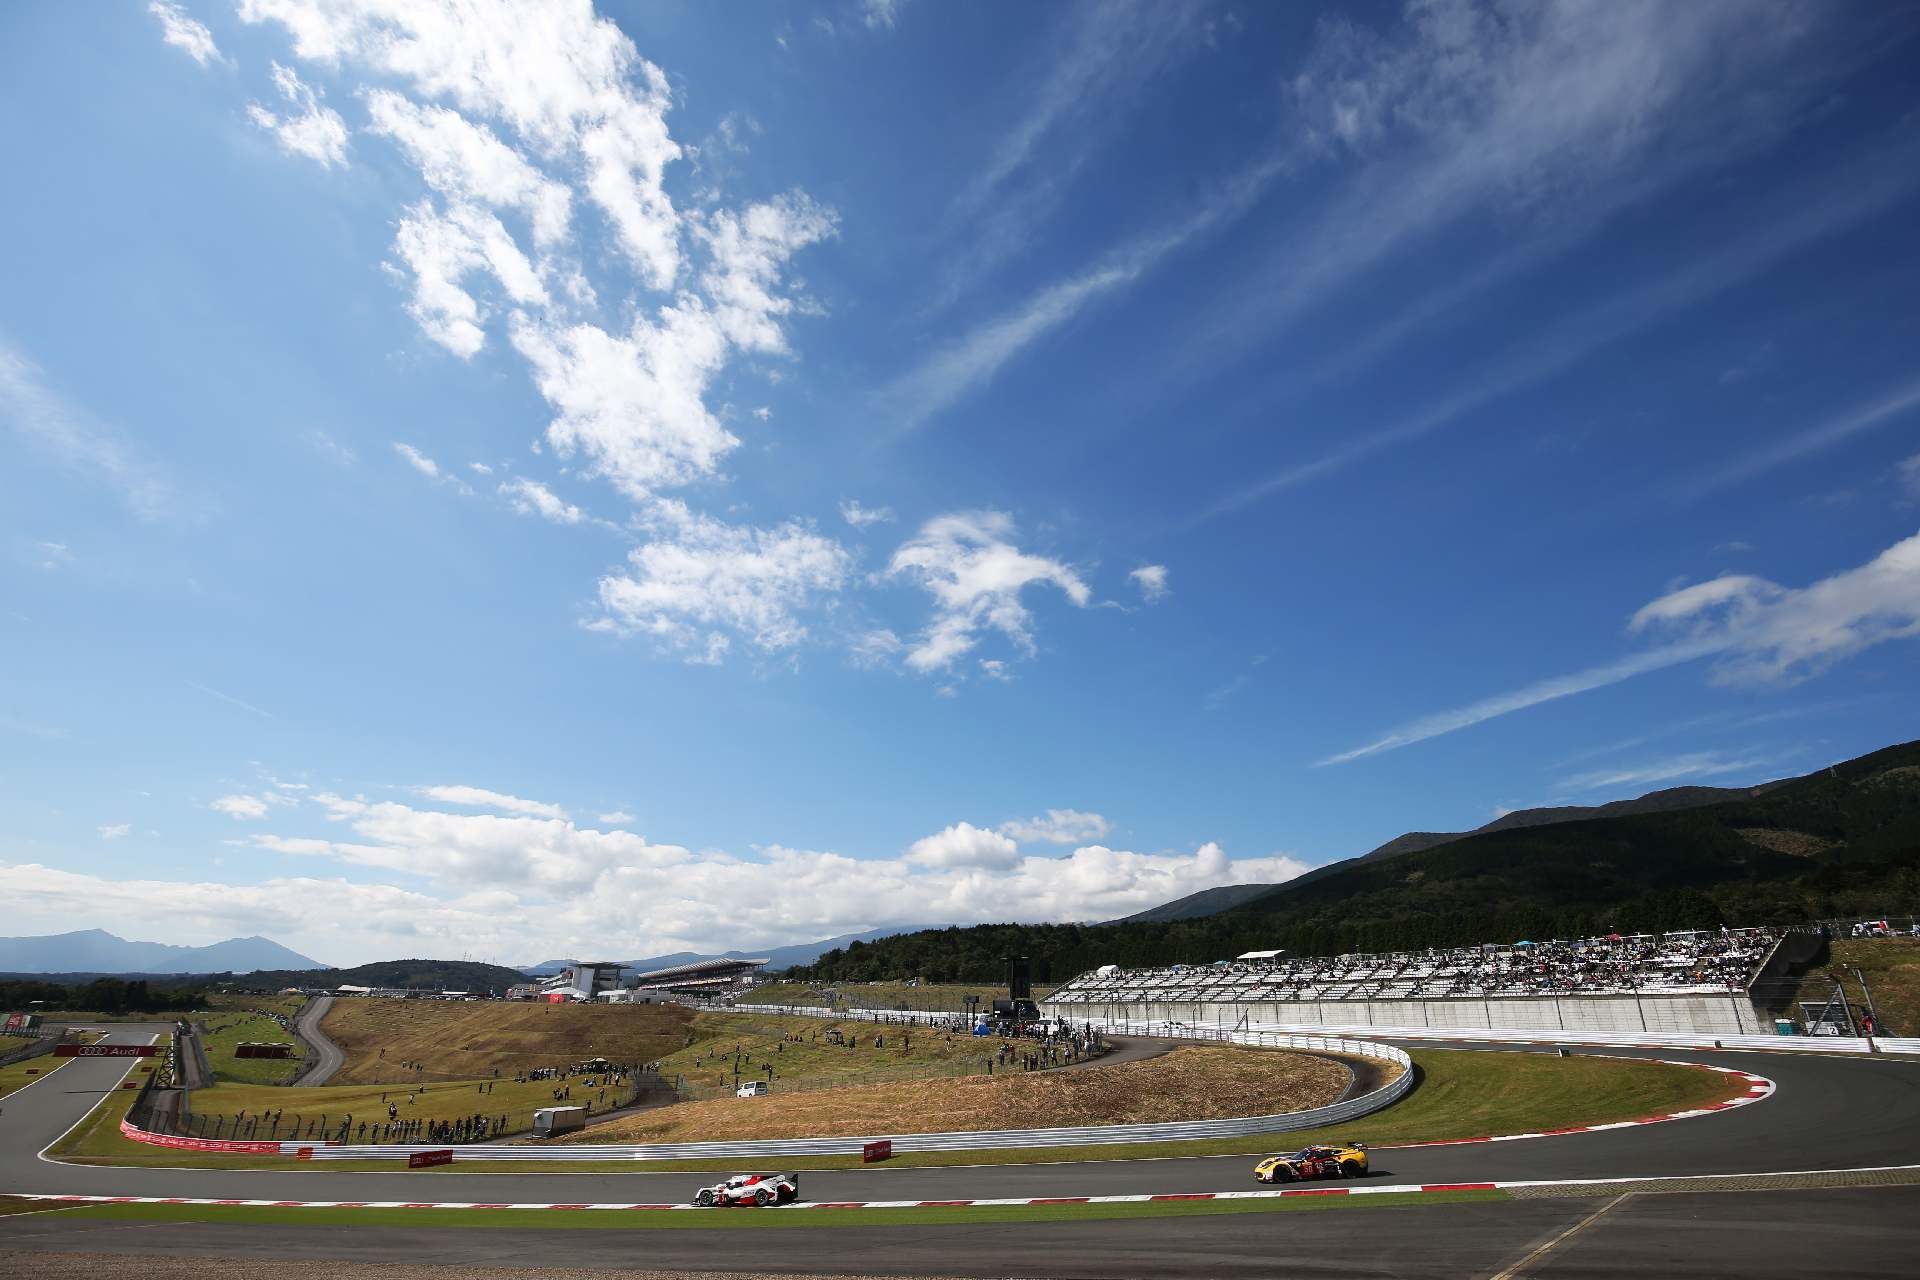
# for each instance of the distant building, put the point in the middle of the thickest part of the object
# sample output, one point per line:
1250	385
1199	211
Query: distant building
583	980
702	977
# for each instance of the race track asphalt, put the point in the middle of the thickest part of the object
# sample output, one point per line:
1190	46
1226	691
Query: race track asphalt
1827	1113
324	1056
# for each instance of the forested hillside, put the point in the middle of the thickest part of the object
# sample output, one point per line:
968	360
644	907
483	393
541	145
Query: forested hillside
1842	841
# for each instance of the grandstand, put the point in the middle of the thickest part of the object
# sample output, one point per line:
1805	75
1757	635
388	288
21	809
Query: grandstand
720	976
1687	980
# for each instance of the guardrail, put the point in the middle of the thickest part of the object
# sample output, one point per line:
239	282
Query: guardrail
1081	1136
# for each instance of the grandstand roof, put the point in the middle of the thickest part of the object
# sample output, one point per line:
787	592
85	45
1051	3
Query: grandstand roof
698	969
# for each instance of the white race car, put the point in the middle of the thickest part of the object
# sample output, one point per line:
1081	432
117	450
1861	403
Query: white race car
751	1188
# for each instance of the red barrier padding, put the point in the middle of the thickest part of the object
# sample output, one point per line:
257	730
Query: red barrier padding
428	1159
219	1146
875	1151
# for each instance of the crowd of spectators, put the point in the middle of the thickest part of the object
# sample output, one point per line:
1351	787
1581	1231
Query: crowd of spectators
1694	961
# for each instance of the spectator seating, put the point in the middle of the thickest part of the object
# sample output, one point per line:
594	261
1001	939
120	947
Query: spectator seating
1690	962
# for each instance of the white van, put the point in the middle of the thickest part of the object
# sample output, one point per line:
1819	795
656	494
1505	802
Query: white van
753	1089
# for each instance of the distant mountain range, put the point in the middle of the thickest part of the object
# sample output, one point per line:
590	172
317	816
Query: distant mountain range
778	958
1209	902
97	951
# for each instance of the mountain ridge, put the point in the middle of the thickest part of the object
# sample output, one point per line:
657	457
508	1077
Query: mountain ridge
97	951
1668	799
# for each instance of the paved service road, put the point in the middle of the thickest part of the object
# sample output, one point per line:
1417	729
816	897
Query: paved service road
1828	1113
324	1056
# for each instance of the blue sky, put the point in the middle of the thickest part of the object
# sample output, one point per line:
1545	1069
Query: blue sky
516	479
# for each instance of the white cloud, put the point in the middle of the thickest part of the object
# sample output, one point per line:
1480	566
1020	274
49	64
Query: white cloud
749	253
185	32
567	82
417	460
531	498
1058	826
1863	189
1907	473
967	562
860	517
1151	579
635	404
49	555
481	798
79	441
964	845
508	886
618	818
115	831
1762	633
880	15
1698	764
440	249
314	130
467	163
697	582
241	807
995	669
1880	410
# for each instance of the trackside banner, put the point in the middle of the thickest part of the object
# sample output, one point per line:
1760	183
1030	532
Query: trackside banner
428	1159
105	1050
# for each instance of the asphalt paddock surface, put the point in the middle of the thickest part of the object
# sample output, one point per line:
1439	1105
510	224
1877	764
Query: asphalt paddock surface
1759	1235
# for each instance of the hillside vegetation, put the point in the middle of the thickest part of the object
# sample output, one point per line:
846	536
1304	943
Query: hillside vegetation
1844	841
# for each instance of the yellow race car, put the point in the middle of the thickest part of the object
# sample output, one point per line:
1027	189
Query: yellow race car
1313	1162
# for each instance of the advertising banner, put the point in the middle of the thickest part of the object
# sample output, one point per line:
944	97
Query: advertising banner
105	1050
428	1159
875	1151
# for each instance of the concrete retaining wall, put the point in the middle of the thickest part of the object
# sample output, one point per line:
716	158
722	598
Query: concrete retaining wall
1701	1015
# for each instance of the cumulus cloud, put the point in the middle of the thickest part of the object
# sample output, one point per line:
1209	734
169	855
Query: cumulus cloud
860	517
967	562
964	845
362	879
1058	826
468	163
699	582
312	129
618	818
241	807
1758	631
185	32
531	498
1151	579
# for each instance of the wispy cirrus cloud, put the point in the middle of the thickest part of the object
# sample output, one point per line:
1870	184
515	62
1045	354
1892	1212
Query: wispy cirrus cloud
1760	632
84	444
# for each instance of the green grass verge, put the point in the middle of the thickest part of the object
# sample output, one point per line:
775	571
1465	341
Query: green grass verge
761	1219
227	1030
1459	1094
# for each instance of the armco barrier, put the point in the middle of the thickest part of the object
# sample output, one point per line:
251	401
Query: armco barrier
1096	1135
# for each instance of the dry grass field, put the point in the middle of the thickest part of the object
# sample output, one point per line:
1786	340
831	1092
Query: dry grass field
799	1052
1200	1083
454	1040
